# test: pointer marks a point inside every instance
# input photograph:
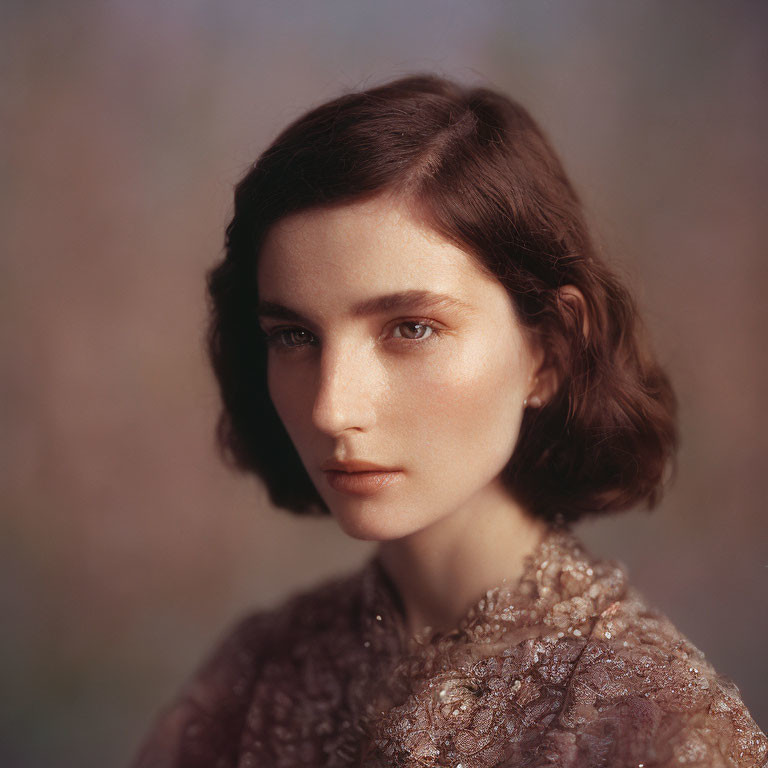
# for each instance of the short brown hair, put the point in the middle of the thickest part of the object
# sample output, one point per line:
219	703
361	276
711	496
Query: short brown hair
479	171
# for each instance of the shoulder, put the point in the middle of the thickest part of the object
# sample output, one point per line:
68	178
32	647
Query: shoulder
206	719
642	694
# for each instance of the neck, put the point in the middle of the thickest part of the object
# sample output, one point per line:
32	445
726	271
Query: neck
442	570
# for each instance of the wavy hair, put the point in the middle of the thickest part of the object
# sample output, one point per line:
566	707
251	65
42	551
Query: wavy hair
481	173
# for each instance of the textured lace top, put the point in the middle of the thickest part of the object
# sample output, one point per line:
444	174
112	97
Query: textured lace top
566	668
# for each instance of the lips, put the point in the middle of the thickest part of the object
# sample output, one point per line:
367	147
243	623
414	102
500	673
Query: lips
362	483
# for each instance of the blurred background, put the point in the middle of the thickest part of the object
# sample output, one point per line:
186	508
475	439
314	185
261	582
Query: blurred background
126	547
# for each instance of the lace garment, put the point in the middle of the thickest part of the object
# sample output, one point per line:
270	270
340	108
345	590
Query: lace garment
567	668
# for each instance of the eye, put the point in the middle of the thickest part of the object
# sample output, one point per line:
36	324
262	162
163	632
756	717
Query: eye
424	327
287	338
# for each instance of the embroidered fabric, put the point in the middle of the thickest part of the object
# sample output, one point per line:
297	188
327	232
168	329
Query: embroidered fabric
569	667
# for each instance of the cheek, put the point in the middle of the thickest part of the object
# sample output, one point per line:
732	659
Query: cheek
473	407
287	394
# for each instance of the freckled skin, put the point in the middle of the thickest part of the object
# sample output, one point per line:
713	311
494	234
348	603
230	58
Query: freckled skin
446	410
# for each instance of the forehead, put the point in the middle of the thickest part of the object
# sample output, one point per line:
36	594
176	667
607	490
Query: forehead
350	252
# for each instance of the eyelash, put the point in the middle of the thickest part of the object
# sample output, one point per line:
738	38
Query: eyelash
273	337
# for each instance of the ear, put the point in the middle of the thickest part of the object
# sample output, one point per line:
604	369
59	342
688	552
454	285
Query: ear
575	303
544	382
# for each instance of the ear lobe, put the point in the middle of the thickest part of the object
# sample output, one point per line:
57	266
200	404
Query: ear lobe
543	381
545	385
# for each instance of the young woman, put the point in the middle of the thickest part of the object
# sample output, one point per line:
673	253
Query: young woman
412	332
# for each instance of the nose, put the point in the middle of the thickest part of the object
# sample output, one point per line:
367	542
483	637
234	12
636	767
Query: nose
347	381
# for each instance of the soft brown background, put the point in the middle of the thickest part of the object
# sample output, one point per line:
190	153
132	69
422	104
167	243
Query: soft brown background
126	548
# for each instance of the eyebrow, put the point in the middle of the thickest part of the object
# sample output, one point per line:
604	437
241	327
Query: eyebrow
373	306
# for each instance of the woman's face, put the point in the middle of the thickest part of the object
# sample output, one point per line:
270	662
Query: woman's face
432	389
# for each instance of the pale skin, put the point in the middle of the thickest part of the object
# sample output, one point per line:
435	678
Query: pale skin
436	391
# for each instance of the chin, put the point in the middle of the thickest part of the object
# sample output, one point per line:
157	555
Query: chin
370	524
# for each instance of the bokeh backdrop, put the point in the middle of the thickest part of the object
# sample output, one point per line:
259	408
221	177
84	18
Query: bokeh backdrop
127	547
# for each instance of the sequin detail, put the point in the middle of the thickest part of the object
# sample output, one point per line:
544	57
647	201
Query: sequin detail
568	668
